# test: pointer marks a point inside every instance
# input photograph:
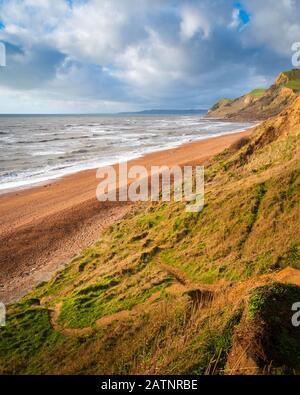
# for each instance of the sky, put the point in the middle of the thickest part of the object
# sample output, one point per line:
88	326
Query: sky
99	56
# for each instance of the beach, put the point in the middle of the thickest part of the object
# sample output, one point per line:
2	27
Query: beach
43	227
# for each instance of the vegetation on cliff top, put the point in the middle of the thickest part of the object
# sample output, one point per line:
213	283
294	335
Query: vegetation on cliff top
261	103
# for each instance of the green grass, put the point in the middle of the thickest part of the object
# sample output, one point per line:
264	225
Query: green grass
257	92
294	79
270	310
27	335
294	84
84	307
265	297
293	74
249	226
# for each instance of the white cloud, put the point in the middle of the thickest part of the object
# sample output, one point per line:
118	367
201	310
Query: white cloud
28	22
93	32
53	102
274	24
151	63
142	51
235	21
193	22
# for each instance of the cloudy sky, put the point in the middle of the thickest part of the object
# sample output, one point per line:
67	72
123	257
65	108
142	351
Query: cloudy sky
68	56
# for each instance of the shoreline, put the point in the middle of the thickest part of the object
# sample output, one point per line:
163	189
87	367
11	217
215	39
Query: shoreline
44	226
32	183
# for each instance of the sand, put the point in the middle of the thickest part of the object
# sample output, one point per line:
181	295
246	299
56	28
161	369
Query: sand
43	227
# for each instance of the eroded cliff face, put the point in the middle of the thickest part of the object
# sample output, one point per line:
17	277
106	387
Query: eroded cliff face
261	104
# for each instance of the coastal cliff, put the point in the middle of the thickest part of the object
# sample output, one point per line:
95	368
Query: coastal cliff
260	104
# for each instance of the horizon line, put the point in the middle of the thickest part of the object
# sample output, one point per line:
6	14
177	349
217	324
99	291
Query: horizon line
153	111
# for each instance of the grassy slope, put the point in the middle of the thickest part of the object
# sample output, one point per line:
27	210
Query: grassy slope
257	92
166	291
261	103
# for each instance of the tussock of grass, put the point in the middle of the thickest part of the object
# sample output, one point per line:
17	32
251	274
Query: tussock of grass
268	327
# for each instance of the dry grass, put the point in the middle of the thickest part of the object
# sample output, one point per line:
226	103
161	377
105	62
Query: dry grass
166	291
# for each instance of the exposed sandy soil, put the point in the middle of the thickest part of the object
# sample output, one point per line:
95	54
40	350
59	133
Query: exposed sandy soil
42	228
251	107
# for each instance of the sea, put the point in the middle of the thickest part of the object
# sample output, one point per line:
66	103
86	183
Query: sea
38	148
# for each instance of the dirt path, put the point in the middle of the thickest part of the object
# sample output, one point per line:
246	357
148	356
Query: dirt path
202	295
42	228
54	315
180	276
103	321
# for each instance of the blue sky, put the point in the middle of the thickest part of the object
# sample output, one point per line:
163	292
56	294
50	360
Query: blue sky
76	56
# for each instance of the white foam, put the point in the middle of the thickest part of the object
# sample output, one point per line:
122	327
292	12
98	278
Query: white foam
120	143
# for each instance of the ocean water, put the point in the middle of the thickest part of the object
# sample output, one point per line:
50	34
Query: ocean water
35	149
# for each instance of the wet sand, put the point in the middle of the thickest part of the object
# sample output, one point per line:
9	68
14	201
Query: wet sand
43	227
